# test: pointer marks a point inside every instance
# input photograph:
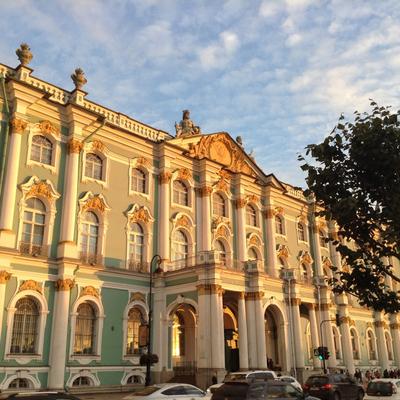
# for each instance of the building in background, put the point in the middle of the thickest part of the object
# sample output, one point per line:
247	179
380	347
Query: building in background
89	196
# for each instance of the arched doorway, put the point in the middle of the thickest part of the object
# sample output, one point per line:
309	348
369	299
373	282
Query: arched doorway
183	339
231	340
275	338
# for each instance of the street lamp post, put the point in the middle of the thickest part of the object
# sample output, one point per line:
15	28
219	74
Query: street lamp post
156	258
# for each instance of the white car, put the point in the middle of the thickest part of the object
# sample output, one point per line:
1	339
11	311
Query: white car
383	389
291	380
181	391
242	376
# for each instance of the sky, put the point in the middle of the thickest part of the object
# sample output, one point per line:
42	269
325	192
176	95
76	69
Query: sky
278	73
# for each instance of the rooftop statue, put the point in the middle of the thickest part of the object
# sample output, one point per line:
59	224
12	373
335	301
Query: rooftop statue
24	54
186	127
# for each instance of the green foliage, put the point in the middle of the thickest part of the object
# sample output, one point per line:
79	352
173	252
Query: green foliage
355	176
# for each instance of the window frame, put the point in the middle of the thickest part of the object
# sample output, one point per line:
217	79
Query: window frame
215	204
250	216
91	148
281	219
304	230
188	194
144	177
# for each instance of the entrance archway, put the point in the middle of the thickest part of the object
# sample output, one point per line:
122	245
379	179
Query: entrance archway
231	337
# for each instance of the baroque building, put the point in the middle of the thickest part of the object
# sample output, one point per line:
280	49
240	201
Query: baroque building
90	195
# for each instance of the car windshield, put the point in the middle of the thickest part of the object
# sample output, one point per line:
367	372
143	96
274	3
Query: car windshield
317	380
146	391
379	387
235	377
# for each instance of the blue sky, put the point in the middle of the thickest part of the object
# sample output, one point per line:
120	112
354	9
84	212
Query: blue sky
277	73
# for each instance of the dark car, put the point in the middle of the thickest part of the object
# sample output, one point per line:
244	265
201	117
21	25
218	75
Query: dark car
42	396
333	387
259	390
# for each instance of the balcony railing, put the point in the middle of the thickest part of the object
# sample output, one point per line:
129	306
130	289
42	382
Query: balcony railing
91	259
33	250
138	266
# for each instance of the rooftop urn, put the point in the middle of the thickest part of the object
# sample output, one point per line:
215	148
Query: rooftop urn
78	77
24	54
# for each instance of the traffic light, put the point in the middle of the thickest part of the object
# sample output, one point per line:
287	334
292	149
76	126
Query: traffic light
322	353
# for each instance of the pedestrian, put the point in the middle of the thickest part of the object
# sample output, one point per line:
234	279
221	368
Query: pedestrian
214	379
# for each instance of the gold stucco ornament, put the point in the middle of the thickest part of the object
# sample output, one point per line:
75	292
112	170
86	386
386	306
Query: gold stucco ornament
24	54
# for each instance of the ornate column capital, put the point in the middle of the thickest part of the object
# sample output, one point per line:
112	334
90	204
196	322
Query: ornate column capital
294	302
18	125
204	191
64	284
345	320
164	177
324	307
254	295
379	324
74	146
242	295
240	203
4	276
395	325
211	288
269	213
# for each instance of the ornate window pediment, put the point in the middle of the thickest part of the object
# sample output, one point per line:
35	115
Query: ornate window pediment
94	202
137	213
181	220
34	187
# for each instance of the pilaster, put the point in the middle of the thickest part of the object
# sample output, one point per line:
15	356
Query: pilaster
381	341
270	239
242	325
395	332
4	278
347	349
164	207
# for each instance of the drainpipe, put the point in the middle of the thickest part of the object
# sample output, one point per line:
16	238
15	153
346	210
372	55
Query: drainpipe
4	152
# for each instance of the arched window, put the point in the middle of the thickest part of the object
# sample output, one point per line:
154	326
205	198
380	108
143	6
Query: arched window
135	320
309	341
94	166
178	336
84	342
138	181
25	327
389	345
251	216
33	227
181	193
354	344
322	238
82	381
279	225
252	254
336	342
41	150
219	205
89	237
134	379
301	233
371	345
219	246
180	246
136	245
19	383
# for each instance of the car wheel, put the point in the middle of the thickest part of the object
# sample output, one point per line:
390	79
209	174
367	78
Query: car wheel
336	396
360	395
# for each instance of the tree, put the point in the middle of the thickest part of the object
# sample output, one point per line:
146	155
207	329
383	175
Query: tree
354	175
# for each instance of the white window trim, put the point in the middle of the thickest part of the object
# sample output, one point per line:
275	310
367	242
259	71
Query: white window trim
134	358
56	152
228	248
257	211
104	155
43	312
95	380
387	335
228	205
305	227
191	197
87	358
50	205
22	374
283	219
339	341
374	346
357	343
137	163
127	375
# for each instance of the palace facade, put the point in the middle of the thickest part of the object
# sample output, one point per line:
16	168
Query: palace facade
89	196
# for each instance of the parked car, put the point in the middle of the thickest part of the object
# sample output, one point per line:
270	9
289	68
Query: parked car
386	388
42	396
243	376
181	391
333	387
259	390
291	380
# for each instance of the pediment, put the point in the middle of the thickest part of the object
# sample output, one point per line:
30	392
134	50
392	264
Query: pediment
221	148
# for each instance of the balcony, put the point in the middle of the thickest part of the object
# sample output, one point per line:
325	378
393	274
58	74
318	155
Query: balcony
91	259
138	266
33	250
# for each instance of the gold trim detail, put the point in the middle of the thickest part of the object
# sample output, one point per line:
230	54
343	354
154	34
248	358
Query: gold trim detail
137	296
252	198
18	125
269	213
279	211
98	145
30	284
90	291
204	191
222	231
64	284
142	161
183	221
394	325
254	241
283	252
74	146
40	189
305	258
164	177
184	174
48	128
140	215
380	324
211	288
254	295
95	203
240	203
4	276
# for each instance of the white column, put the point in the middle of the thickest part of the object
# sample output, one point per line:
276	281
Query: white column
297	335
260	333
241	229
217	336
347	350
270	240
314	333
327	332
59	334
160	330
205	218
395	331
68	247
4	278
164	240
9	190
242	325
381	341
251	331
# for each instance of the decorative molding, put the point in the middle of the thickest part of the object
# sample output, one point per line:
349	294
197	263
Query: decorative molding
48	128
94	202
294	302
142	161
282	251
18	125
242	295
220	148
4	276
222	231
30	284
240	203
64	284
326	262
269	213
254	295
305	257
137	296
183	221
74	146
139	214
394	325
184	174
279	211
254	240
97	145
217	220
164	177
204	191
324	306
41	189
224	181
345	320
380	324
252	198
90	291
212	288
302	219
